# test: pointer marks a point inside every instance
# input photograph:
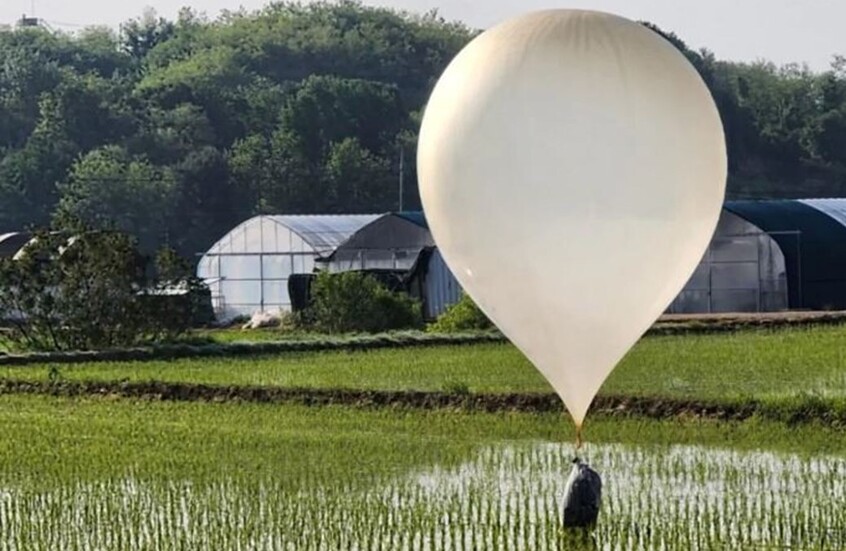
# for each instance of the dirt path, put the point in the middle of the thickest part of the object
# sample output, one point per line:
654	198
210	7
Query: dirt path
672	324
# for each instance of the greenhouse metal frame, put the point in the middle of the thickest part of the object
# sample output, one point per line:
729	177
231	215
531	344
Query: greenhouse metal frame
248	269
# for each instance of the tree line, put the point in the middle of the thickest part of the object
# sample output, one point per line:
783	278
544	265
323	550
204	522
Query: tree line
175	131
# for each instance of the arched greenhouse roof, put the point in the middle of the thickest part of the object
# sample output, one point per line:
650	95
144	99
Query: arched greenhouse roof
812	236
835	208
415	217
321	232
11	243
324	232
406	231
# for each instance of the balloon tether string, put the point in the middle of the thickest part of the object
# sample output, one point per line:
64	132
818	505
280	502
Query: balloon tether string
579	441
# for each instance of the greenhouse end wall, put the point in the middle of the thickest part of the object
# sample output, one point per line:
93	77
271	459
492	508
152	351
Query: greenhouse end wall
248	269
743	270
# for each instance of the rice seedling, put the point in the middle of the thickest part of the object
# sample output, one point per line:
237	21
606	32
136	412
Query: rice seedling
504	497
101	474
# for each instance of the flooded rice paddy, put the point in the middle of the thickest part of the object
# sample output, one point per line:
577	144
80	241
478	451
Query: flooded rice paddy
505	496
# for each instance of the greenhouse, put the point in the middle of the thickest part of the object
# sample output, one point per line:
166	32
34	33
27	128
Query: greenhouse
743	270
765	256
812	235
400	244
263	264
768	256
391	242
248	269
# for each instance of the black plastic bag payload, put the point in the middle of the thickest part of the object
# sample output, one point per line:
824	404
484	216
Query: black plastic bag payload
584	495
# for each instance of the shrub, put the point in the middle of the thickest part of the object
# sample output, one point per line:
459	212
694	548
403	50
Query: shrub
87	292
352	302
464	315
176	299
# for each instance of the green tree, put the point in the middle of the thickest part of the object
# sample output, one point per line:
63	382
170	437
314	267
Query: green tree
177	300
276	176
212	79
207	203
167	136
358	180
326	110
73	293
93	111
279	93
109	189
831	140
26	73
99	49
28	176
90	290
140	36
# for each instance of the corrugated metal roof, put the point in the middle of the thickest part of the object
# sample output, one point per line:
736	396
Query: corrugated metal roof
324	232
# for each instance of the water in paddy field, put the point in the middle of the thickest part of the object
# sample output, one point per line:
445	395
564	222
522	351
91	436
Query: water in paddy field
504	497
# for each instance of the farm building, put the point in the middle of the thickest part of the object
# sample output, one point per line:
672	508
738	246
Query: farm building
257	265
769	256
248	269
400	244
391	242
766	256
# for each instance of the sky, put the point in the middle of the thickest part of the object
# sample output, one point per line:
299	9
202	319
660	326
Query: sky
783	31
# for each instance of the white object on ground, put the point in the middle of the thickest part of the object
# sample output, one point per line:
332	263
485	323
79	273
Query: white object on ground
260	320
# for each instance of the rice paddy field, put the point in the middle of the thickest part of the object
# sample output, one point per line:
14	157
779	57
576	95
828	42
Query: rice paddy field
102	474
105	472
726	366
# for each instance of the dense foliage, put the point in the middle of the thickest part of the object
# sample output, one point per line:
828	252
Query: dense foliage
176	130
462	316
353	302
93	291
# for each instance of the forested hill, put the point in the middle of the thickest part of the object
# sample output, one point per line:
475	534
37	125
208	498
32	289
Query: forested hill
177	130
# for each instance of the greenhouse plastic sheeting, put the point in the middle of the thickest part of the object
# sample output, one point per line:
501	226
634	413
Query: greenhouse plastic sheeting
814	247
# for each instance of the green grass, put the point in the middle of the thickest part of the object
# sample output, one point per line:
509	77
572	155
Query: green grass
236	334
101	437
766	365
120	474
97	473
496	368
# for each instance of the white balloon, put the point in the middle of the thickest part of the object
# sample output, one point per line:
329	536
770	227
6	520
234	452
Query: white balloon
572	168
